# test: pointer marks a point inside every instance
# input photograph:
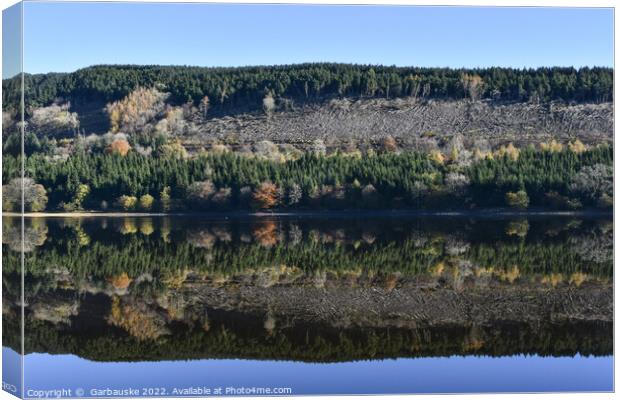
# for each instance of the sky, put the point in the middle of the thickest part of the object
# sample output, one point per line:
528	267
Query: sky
62	37
456	374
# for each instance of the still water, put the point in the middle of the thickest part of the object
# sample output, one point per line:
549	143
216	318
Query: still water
309	305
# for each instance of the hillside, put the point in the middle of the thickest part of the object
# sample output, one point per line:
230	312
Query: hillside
415	124
306	136
244	87
338	103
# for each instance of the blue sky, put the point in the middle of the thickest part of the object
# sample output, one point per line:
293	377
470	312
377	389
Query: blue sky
456	374
68	36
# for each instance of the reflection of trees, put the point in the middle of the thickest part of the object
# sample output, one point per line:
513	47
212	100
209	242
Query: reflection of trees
596	245
140	322
458	258
35	234
140	254
518	228
56	310
146	226
266	233
201	238
455	246
258	337
155	300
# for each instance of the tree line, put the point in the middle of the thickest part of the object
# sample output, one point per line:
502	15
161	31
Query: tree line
559	179
228	88
134	246
312	343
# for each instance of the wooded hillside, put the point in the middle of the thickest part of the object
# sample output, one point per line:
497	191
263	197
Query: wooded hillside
246	86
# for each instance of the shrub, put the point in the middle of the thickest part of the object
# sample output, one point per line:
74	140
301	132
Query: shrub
146	202
127	203
518	199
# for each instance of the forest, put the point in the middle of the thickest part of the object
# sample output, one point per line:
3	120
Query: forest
229	88
154	150
553	176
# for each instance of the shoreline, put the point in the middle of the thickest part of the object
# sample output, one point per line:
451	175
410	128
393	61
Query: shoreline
488	213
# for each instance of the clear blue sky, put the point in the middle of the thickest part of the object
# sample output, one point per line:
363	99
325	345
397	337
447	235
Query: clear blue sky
68	36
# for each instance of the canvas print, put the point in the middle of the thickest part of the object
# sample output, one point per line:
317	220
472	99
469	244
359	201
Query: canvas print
293	199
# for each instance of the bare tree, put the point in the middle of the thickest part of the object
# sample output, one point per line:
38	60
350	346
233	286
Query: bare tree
204	106
269	104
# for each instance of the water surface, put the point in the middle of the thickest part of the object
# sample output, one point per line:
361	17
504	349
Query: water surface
318	305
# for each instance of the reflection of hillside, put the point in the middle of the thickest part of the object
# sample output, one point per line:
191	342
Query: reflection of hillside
351	316
232	334
147	288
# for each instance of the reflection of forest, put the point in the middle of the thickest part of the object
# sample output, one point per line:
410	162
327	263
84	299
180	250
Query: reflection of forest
310	289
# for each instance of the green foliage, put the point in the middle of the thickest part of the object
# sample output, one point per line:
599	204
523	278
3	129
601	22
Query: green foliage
246	86
552	246
386	180
81	193
165	199
128	203
518	199
536	172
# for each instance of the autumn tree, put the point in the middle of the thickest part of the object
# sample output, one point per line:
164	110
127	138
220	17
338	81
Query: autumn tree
80	195
472	85
133	112
54	120
146	202
204	106
509	150
127	203
265	196
389	144
294	194
200	192
577	146
119	146
173	150
552	146
269	104
34	195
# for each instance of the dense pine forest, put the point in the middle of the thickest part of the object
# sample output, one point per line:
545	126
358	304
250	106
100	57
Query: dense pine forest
565	178
240	87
